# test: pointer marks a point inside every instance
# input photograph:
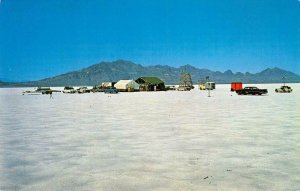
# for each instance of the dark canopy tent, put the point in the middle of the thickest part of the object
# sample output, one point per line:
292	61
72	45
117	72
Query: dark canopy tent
151	83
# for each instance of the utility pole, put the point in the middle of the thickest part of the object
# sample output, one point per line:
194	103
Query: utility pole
209	87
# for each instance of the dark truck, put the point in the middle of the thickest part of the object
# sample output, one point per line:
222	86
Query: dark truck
251	91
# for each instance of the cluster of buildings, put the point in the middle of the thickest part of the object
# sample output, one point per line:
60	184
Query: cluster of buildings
140	84
146	83
155	84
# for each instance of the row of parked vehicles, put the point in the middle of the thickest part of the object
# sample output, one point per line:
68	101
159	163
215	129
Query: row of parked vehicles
40	91
70	90
81	90
252	90
235	86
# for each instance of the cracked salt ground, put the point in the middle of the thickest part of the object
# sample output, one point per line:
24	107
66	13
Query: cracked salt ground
150	141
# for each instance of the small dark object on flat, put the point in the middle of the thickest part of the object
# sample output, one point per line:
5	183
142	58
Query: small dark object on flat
205	178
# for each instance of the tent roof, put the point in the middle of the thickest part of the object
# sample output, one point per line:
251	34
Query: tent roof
124	84
125	81
152	80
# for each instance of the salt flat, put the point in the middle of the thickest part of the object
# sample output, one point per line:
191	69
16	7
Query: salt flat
150	141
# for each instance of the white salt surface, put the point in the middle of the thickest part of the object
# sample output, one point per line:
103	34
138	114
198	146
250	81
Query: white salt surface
150	141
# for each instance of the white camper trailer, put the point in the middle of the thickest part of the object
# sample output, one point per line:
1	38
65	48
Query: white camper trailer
210	85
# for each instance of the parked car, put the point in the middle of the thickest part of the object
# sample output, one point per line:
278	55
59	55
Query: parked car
82	90
172	88
111	90
202	87
97	89
251	91
69	90
284	89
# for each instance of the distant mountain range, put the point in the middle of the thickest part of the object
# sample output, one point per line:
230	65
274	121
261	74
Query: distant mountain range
121	69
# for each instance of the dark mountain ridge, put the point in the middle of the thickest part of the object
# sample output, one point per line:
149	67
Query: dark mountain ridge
122	69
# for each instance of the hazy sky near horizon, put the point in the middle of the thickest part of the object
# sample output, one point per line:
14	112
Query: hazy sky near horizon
44	38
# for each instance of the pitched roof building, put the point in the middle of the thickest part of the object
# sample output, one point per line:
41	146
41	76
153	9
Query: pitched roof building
151	84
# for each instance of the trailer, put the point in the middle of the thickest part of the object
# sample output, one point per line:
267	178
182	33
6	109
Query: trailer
236	86
210	85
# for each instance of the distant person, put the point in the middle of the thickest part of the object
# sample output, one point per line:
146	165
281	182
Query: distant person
51	97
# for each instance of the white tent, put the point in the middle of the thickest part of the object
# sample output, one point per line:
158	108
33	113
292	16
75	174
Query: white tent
125	84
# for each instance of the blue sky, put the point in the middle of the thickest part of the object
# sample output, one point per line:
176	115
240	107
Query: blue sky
44	38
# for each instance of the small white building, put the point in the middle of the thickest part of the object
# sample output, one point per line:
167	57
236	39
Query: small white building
107	84
127	85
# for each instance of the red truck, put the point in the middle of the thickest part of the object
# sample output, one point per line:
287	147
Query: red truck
236	86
